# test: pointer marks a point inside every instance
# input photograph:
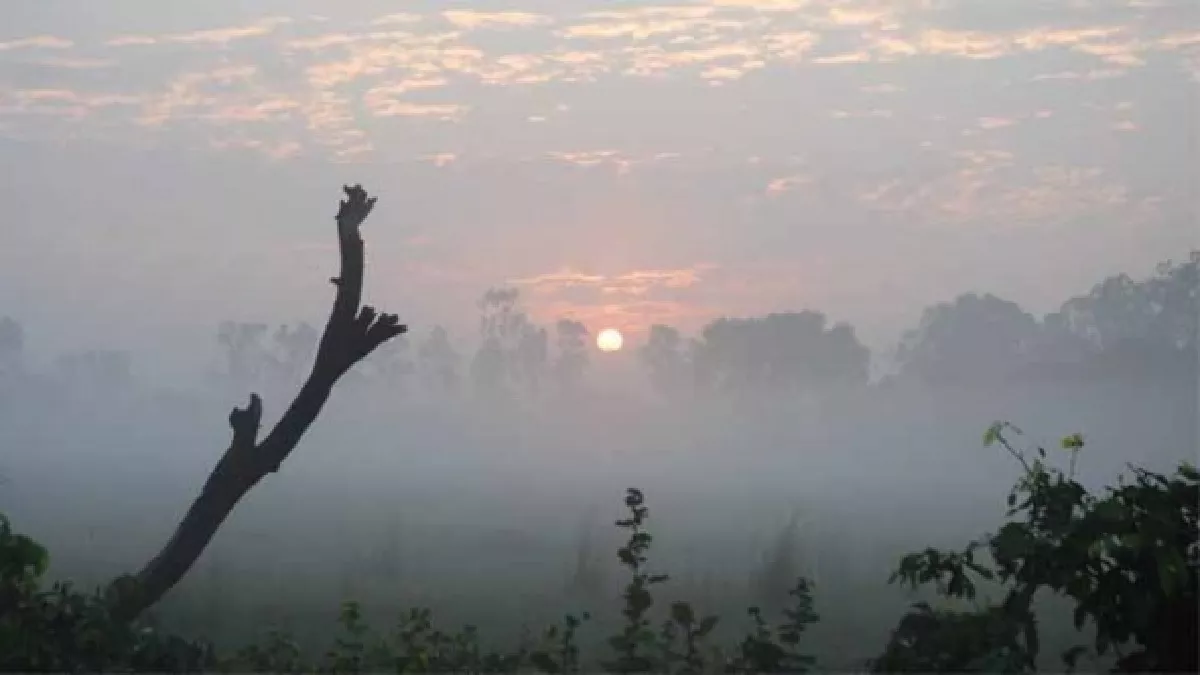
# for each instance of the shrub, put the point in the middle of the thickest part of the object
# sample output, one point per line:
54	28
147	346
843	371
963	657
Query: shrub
1128	560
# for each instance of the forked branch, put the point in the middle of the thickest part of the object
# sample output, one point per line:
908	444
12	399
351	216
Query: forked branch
351	333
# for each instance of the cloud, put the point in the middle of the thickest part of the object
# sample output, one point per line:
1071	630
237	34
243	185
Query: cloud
335	76
875	113
221	36
641	23
843	58
885	88
779	186
60	103
68	96
132	40
1179	40
990	188
1088	76
394	53
989	123
623	162
763	5
1126	54
636	283
562	279
388	95
215	36
589	158
1111	44
442	159
393	19
473	20
36	42
324	41
442	111
856	17
191	93
275	151
68	63
267	110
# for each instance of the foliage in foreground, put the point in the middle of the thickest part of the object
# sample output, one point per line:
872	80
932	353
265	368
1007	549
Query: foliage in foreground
1127	559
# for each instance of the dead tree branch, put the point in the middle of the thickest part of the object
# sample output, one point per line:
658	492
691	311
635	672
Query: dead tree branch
351	333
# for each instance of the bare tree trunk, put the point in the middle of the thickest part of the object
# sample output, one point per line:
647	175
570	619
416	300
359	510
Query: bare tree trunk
350	334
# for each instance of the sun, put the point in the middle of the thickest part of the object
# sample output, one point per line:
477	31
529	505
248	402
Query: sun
609	340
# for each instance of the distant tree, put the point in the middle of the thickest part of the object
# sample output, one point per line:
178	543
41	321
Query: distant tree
972	339
489	367
294	348
390	364
666	360
1175	290
1124	327
1162	309
572	359
512	351
12	348
97	369
254	357
12	344
791	352
438	362
532	354
247	358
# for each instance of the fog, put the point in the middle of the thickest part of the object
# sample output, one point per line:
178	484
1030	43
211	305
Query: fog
494	503
840	239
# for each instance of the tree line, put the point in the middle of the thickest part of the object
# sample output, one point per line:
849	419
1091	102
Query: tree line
1122	328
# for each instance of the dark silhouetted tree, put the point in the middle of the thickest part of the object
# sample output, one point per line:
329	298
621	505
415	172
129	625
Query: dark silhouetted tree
246	355
572	359
1127	328
512	351
390	364
665	358
295	348
793	352
970	340
12	353
438	362
12	345
96	369
352	332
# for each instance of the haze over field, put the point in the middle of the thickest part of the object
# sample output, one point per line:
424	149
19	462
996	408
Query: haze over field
835	241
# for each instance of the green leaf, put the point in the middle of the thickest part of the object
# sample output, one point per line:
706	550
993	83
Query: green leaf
681	613
992	434
1072	442
1172	571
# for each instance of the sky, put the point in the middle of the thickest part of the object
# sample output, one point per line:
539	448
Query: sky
164	166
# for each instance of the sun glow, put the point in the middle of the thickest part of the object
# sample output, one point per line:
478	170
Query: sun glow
609	340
